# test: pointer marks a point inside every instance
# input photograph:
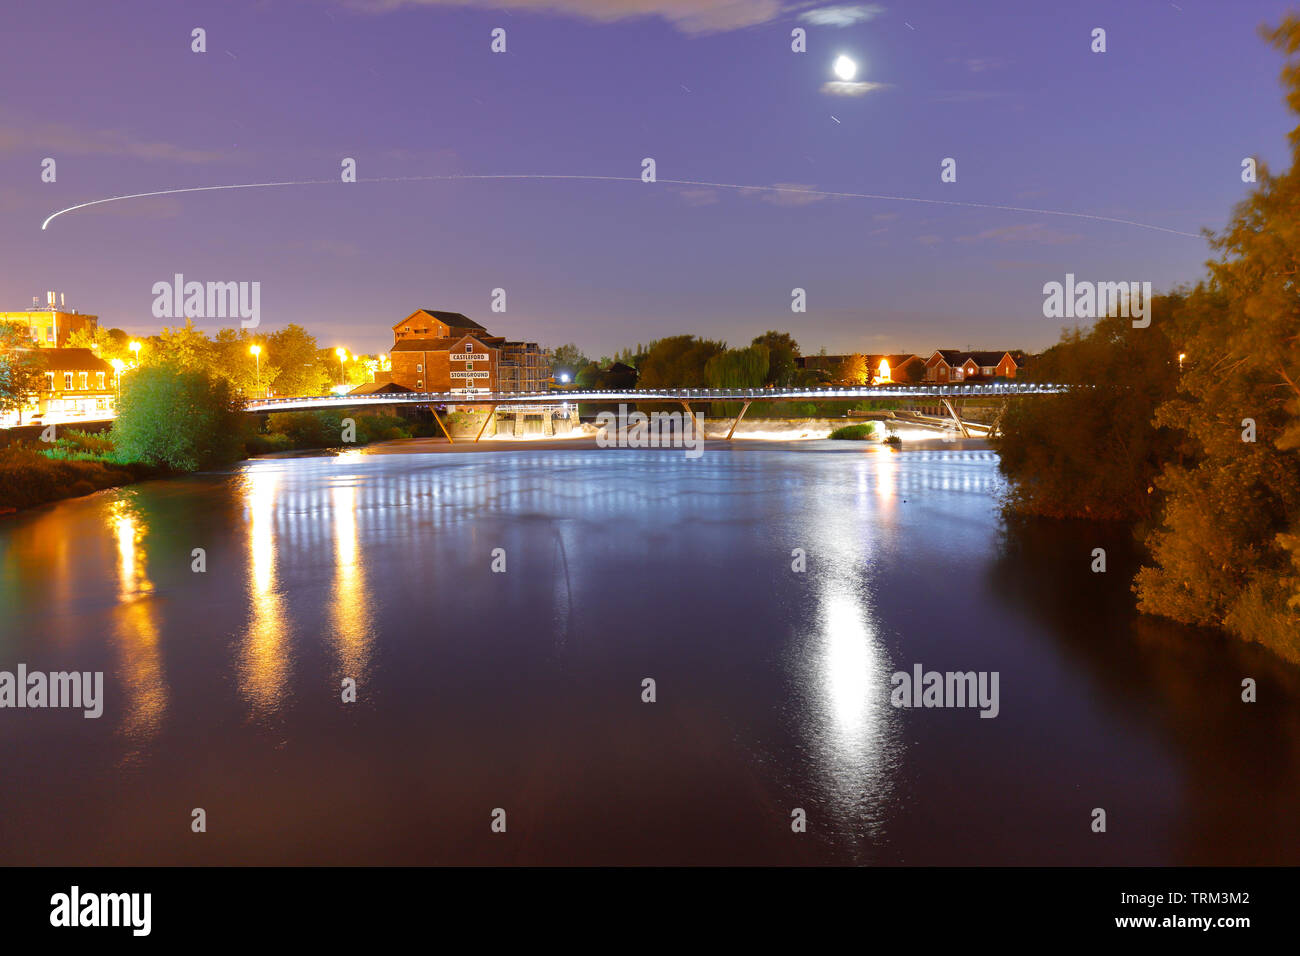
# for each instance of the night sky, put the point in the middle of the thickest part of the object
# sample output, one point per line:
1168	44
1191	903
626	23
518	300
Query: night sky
1154	130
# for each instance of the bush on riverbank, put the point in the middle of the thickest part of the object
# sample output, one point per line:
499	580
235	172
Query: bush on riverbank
74	445
854	432
180	419
291	431
29	477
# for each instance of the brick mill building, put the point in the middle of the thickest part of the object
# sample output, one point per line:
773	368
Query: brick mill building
436	351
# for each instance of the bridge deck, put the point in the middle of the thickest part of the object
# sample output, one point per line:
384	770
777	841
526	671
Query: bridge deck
675	396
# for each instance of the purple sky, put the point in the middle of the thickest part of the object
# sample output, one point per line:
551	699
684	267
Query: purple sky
1154	130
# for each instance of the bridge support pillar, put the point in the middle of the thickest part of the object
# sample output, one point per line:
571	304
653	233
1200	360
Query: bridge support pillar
731	431
699	426
961	425
437	418
519	424
548	423
490	416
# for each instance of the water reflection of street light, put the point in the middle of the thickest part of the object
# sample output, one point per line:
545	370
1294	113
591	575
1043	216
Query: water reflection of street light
257	356
1181	356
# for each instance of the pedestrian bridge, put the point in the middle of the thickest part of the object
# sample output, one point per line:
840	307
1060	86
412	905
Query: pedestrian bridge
548	402
675	396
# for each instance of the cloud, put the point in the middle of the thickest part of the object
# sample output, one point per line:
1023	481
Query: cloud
981	64
62	138
688	16
851	87
929	240
842	16
1024	232
698	197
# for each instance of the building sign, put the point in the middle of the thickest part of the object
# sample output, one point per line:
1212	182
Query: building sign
468	356
482	374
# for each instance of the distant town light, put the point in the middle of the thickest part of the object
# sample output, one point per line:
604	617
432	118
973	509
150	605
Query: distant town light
564	378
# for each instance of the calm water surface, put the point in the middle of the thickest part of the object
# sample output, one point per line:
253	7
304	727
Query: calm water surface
522	690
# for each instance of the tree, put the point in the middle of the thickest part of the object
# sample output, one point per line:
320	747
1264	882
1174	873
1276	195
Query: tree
302	370
738	368
233	360
180	418
22	369
783	352
1093	453
568	360
184	347
588	376
108	344
857	370
1228	553
678	362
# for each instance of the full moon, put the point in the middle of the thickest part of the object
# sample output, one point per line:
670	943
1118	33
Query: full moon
845	68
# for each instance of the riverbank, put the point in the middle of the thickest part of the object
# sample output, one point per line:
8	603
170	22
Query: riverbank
29	478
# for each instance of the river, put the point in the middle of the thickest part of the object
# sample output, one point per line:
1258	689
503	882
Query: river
521	689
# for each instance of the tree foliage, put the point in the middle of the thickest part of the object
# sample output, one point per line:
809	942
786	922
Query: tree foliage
678	362
783	354
180	418
1093	453
22	370
1228	553
738	368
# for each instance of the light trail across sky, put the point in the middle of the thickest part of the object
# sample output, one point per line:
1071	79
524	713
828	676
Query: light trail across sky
821	193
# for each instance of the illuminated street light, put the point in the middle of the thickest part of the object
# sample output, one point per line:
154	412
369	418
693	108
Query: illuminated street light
1181	356
118	365
342	353
257	357
135	350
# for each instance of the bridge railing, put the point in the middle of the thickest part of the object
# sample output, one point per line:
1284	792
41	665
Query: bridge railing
821	393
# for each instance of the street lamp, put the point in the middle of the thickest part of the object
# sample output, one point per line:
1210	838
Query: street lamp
257	356
342	353
118	365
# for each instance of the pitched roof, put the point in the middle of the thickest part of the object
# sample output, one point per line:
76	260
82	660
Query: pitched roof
70	360
371	388
454	320
987	358
426	345
951	356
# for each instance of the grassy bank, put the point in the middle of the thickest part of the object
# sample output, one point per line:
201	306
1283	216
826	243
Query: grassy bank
30	476
298	431
80	463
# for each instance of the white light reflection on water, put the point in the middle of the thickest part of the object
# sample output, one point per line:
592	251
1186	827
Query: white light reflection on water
854	730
